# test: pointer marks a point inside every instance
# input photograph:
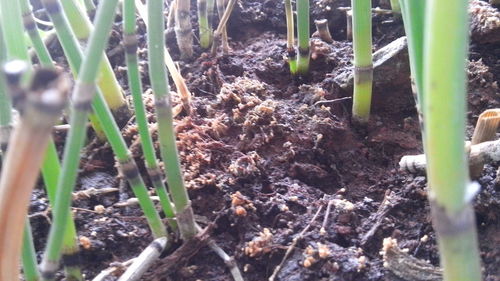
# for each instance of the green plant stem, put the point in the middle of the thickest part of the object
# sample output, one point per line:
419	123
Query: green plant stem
204	27
135	85
444	116
413	13
183	29
396	8
163	105
51	166
32	30
28	255
11	21
83	96
290	36
303	36
107	82
5	104
89	6
363	68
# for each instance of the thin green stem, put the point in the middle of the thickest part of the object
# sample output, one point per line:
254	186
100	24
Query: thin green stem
290	36
32	30
204	27
363	68
396	8
413	17
303	36
444	116
89	6
28	255
135	85
163	105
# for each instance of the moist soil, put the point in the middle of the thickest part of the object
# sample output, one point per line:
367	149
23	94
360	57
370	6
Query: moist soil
264	151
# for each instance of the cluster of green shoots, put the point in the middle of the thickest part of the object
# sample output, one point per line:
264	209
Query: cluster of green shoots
179	16
96	96
299	64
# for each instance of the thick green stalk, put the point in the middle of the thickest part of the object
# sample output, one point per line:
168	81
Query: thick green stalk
363	68
51	166
28	255
444	116
135	85
163	105
204	27
303	36
183	29
107	82
290	36
83	96
11	21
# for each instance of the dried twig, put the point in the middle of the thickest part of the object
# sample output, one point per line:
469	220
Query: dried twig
485	152
222	24
294	243
145	260
406	266
112	270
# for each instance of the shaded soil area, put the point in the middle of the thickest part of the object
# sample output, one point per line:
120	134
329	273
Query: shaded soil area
263	151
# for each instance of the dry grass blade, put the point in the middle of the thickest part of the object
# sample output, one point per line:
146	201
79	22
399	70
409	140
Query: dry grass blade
41	107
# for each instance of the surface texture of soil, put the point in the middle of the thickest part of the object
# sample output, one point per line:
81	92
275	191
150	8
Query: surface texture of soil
281	148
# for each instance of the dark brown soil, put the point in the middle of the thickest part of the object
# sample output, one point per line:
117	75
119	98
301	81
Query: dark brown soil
260	134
